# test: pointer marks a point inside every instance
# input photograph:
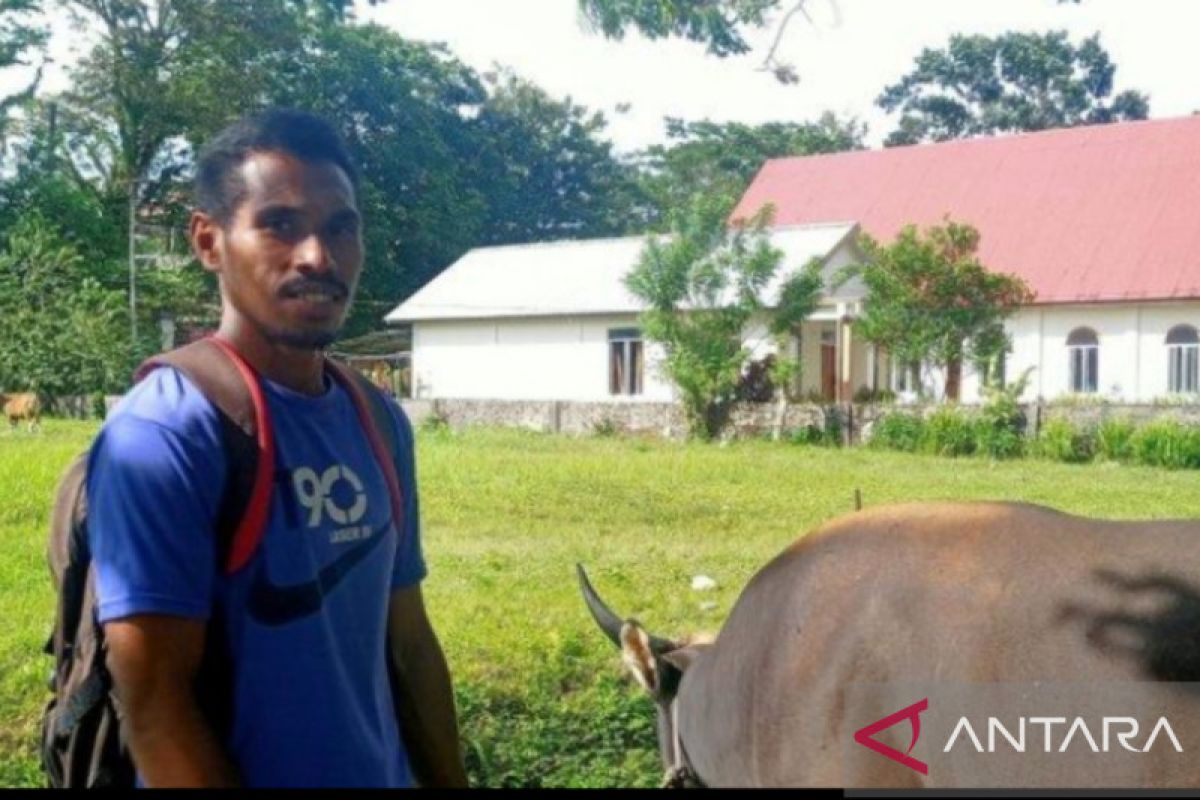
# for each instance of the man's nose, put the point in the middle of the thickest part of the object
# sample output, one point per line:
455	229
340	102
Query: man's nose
312	255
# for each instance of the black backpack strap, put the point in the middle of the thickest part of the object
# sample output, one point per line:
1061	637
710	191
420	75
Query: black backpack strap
232	386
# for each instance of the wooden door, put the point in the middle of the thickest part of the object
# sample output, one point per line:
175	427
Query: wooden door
829	372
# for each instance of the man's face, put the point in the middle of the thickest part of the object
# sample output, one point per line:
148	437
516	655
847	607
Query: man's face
290	256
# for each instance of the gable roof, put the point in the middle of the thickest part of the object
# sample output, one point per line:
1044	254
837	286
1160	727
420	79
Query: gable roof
573	277
1100	213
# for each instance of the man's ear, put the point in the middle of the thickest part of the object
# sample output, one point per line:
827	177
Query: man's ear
207	238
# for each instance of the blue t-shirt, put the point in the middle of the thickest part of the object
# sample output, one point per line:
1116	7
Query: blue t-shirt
306	618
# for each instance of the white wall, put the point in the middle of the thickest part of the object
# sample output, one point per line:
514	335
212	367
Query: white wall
524	359
567	358
1133	352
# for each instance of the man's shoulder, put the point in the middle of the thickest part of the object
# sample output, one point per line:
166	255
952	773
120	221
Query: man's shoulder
161	442
167	401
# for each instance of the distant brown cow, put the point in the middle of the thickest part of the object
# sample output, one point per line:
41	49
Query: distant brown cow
22	406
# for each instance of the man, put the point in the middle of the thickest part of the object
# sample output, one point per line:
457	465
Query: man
312	703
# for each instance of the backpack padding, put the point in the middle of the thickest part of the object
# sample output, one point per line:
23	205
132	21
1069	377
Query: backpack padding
233	387
67	553
377	422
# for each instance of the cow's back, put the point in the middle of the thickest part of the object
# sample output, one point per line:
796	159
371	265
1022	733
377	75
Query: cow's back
947	594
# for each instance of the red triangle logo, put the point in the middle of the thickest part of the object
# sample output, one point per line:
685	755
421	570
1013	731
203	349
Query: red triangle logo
865	736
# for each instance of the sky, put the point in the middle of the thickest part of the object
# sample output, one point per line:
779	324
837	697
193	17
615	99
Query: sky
854	49
844	60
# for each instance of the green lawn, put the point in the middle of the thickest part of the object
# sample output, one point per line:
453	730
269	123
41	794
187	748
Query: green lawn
506	516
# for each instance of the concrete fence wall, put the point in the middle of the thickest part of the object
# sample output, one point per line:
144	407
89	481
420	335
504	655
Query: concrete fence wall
748	420
80	406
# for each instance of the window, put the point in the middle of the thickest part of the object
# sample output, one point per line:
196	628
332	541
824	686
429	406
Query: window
902	377
625	361
1083	349
1183	360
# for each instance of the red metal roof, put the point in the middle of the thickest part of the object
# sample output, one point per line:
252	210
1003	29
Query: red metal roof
1099	213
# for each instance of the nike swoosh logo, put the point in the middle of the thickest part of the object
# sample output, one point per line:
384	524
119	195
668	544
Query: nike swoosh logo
273	605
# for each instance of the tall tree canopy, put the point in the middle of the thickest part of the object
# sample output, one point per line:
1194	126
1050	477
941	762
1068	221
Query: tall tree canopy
545	170
448	160
716	24
718	158
719	24
402	108
979	85
22	43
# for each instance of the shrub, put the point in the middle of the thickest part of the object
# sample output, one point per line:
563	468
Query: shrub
436	422
1114	440
1167	443
898	432
949	432
1000	429
998	443
756	384
605	428
809	435
1060	440
828	435
865	395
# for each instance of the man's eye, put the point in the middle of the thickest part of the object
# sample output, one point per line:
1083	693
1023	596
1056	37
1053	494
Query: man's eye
282	226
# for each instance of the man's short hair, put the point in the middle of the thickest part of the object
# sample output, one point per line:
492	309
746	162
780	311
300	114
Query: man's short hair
305	136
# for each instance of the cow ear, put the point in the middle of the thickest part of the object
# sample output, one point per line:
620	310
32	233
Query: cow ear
684	657
638	657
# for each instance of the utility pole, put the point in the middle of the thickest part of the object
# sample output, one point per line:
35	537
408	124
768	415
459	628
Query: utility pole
133	332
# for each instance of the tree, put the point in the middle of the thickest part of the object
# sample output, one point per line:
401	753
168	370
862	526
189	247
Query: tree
162	77
62	335
403	109
929	299
20	39
702	286
719	24
1015	82
722	158
716	24
451	159
545	170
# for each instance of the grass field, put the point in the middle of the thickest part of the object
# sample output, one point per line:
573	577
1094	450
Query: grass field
507	514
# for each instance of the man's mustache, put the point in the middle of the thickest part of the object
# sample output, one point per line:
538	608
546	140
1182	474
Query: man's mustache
328	284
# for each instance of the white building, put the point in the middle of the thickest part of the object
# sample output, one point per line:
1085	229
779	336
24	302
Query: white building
1102	223
555	322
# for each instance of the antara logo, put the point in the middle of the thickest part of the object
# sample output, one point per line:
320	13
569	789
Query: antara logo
865	736
1114	733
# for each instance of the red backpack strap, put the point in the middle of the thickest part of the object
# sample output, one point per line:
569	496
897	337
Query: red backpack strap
232	386
377	422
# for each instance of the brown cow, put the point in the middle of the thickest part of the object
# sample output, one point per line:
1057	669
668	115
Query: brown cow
854	657
22	406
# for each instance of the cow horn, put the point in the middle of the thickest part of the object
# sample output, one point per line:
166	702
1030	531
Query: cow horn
609	622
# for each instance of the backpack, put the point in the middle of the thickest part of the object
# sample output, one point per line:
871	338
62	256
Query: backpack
82	745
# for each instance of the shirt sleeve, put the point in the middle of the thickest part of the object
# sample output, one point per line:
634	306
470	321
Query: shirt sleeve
409	568
152	500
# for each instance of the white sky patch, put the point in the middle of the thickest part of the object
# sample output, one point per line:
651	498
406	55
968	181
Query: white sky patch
843	65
